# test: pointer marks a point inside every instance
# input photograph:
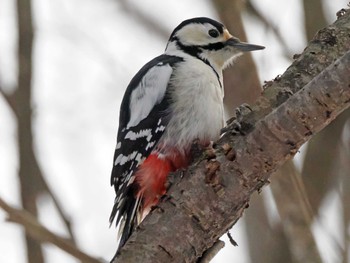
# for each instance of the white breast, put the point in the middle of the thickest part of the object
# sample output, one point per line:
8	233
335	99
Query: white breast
197	108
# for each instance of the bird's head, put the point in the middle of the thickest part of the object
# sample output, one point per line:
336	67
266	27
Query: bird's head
208	40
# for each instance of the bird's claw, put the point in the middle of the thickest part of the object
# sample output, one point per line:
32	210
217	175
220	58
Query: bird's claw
234	124
242	110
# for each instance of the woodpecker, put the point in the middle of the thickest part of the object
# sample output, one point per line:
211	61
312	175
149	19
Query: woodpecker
173	100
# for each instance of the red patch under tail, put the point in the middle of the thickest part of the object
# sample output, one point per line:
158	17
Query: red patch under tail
152	175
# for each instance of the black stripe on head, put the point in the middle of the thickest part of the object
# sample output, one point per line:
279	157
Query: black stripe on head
213	46
198	20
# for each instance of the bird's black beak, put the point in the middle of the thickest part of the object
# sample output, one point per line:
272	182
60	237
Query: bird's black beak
242	46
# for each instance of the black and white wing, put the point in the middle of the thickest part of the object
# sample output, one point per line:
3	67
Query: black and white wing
144	114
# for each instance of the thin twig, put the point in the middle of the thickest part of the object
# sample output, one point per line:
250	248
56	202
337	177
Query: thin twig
211	252
232	241
60	210
8	99
255	12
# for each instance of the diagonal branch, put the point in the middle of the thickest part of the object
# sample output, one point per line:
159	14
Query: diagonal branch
9	99
295	212
206	202
269	25
42	234
46	189
147	22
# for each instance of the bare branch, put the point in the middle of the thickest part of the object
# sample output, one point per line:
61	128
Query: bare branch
47	190
195	212
8	98
320	159
314	17
210	253
42	234
28	165
296	214
268	24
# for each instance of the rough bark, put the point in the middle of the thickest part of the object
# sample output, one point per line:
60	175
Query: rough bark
213	193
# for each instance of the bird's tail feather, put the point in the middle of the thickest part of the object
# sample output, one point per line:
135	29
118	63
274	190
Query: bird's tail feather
128	222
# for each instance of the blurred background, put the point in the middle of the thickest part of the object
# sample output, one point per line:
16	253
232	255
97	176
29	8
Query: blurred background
64	66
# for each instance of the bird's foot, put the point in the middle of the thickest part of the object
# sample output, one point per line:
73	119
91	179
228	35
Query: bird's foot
234	125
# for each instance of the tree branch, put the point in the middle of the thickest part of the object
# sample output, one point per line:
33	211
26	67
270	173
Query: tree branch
152	25
204	203
42	234
210	253
295	212
9	99
270	26
45	188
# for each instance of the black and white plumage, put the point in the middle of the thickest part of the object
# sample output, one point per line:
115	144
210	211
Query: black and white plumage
173	100
142	121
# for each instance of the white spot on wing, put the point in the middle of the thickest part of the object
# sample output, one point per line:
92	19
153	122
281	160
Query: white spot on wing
138	158
150	144
149	137
160	128
135	135
119	144
122	159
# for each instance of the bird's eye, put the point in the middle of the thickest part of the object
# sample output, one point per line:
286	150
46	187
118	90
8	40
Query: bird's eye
213	33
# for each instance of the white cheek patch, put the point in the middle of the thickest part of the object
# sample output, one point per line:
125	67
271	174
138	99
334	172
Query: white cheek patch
197	35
